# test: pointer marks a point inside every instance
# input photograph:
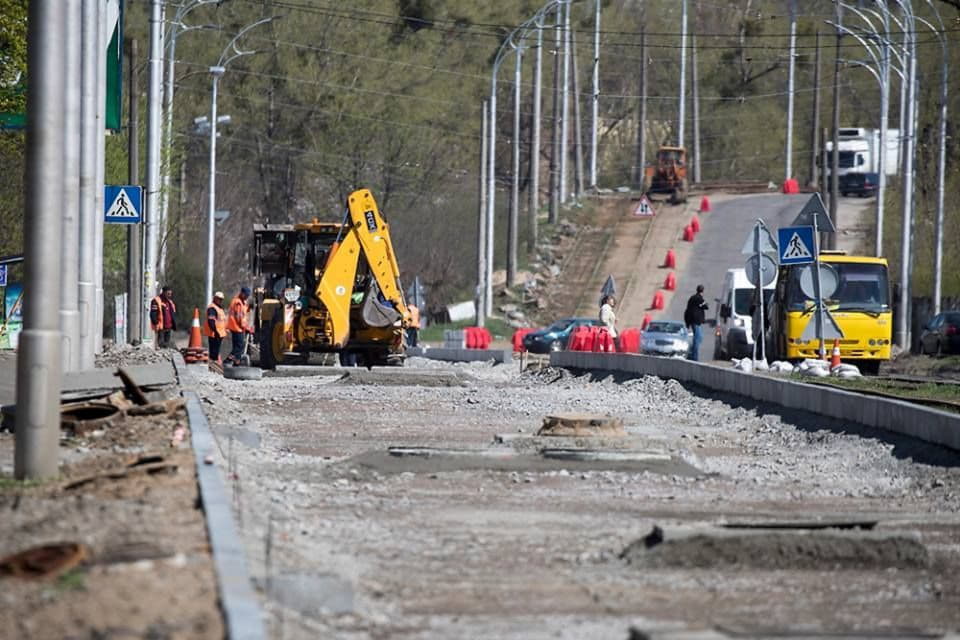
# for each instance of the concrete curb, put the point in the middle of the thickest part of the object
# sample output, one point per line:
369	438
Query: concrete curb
916	421
241	608
500	356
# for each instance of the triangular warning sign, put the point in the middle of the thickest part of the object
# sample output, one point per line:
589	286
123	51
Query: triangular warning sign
122	207
796	248
644	208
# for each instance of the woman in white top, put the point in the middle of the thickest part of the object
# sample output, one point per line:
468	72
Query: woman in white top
607	316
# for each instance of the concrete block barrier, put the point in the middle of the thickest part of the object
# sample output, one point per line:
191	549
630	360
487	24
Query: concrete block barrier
897	416
499	356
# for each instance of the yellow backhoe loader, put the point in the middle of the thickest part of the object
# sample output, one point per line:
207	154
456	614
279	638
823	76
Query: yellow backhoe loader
330	287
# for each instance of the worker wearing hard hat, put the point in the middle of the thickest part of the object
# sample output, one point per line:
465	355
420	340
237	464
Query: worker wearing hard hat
238	325
216	326
163	317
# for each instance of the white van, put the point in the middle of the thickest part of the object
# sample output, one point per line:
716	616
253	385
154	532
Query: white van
734	321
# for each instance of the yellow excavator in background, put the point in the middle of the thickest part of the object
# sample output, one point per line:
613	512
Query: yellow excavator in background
668	175
330	287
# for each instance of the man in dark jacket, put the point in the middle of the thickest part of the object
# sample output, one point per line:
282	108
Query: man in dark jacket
163	317
693	317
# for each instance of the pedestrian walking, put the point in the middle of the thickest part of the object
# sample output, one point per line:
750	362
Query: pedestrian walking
607	316
238	325
413	329
693	317
216	326
163	317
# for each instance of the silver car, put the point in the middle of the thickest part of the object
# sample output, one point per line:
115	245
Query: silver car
664	338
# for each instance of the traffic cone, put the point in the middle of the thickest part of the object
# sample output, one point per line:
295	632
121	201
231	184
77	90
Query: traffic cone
647	319
670	262
835	356
704	205
688	234
195	351
695	224
671	282
657	300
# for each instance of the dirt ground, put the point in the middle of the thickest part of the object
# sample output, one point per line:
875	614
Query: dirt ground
397	505
127	494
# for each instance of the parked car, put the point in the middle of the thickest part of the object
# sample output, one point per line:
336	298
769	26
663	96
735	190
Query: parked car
942	334
555	337
665	338
859	184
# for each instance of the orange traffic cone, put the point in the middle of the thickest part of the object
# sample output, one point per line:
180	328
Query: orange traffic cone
646	321
670	262
657	300
671	282
695	224
704	205
688	234
195	351
835	356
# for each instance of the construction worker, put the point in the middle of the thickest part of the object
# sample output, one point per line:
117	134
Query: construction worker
163	320
238	325
216	326
413	329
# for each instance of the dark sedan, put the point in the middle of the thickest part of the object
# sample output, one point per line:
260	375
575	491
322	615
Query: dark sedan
554	337
859	184
942	334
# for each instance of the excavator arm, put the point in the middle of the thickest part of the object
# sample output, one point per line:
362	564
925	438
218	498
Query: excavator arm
370	234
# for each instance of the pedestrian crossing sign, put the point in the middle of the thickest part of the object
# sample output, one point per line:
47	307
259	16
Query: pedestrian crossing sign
644	208
796	245
122	204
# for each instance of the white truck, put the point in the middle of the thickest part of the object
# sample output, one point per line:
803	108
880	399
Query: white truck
860	151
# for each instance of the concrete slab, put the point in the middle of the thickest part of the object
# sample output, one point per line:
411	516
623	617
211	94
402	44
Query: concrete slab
500	356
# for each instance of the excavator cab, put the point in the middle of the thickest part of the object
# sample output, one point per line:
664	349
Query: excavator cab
668	175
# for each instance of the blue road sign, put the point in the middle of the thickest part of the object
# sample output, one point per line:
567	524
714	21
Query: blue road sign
3	275
122	204
796	245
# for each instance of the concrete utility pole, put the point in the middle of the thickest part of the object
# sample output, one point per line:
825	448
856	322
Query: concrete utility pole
90	128
134	257
595	115
216	72
152	192
38	363
101	146
490	203
577	131
831	238
906	236
481	305
642	124
514	220
788	172
815	129
554	214
535	145
565	107
681	116
696	113
69	291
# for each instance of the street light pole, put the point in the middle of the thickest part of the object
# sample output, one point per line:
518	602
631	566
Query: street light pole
216	72
681	117
596	94
790	87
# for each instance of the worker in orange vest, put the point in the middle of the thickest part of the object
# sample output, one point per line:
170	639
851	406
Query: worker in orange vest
216	327
237	324
413	329
163	318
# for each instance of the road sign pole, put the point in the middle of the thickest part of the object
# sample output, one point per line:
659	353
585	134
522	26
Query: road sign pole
763	334
819	301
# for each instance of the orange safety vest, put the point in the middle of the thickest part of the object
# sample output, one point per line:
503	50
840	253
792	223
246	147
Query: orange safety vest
237	320
221	322
161	303
414	316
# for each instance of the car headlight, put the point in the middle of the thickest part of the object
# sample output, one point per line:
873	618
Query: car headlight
739	322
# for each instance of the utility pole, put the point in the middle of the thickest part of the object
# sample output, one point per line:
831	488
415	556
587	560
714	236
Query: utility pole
514	219
696	113
101	147
577	131
815	129
681	117
595	115
490	202
642	124
90	128
831	238
69	291
134	304
565	106
906	237
788	171
37	429
554	214
152	192
481	304
216	72
535	146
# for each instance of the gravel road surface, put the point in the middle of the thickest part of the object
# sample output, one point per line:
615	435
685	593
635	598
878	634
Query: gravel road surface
456	533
